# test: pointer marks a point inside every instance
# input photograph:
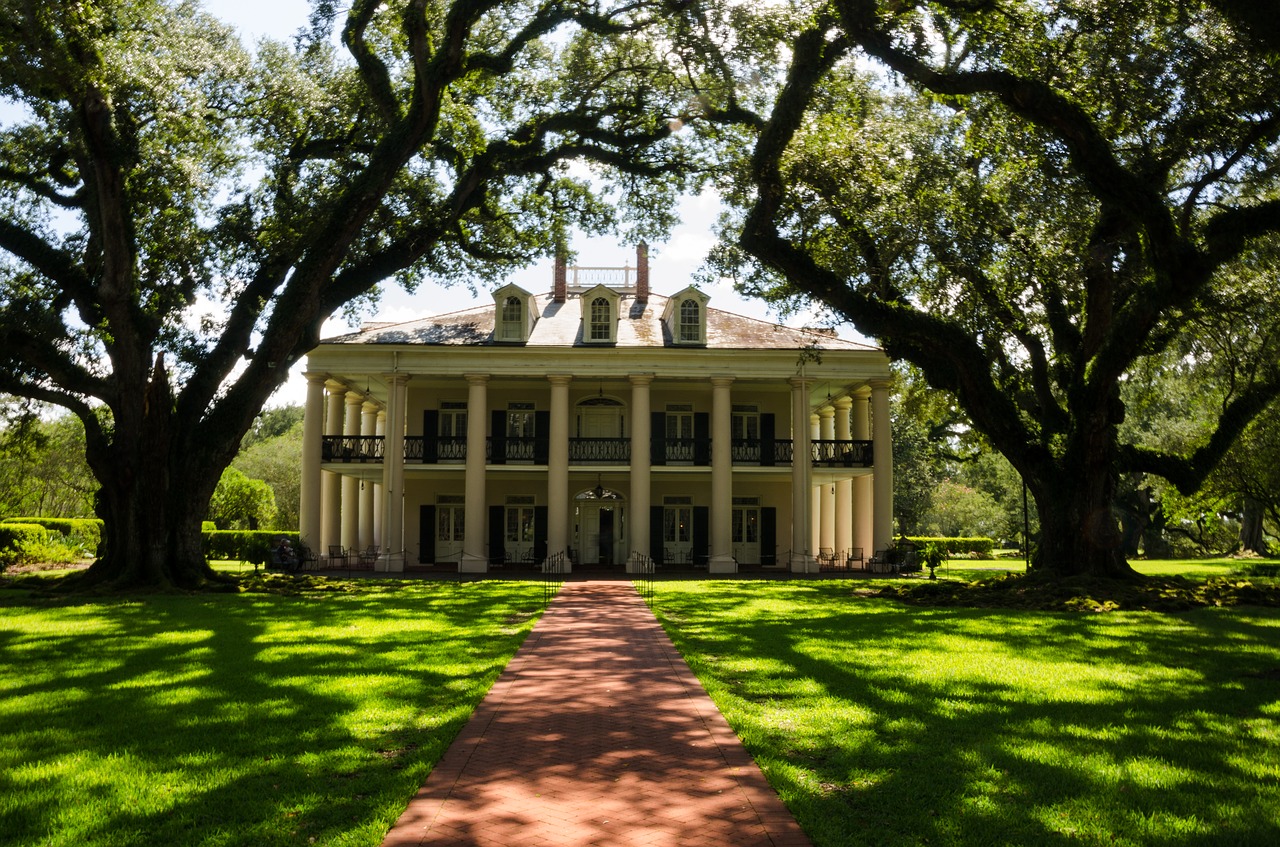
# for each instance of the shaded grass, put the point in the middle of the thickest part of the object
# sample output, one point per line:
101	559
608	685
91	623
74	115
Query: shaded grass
292	717
888	725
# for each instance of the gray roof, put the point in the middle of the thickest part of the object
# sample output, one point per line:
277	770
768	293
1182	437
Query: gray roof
560	325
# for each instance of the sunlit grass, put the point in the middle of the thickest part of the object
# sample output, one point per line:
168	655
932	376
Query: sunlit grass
880	723
248	719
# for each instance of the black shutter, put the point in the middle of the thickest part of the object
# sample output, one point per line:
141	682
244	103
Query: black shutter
657	438
768	535
657	551
767	438
541	437
426	534
498	438
701	438
539	533
497	545
701	535
430	436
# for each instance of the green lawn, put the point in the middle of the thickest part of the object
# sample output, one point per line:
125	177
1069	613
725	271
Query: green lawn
892	725
968	569
240	719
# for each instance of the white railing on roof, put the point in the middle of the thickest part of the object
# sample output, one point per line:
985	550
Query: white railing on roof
580	279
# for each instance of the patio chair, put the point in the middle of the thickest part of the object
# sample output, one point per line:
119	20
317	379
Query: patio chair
826	559
855	555
369	557
338	555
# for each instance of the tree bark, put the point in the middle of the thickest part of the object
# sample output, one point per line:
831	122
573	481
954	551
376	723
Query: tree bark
1251	528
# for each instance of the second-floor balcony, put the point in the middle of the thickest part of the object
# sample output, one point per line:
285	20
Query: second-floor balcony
595	451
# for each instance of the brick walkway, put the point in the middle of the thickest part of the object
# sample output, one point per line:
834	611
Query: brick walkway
596	733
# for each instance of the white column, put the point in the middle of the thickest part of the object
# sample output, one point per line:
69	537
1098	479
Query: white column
801	523
882	457
309	508
368	429
861	429
392	556
721	477
331	484
380	429
641	489
827	490
844	486
558	467
350	535
474	538
815	495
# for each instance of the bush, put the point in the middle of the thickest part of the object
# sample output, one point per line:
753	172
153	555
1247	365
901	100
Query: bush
21	543
83	533
244	545
957	546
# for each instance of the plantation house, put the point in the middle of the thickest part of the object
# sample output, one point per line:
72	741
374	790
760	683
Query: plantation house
601	421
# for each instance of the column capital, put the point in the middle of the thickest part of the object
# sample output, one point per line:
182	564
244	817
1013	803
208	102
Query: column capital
558	379
640	379
476	379
371	406
801	381
316	378
722	381
826	411
880	384
336	387
844	403
396	378
354	398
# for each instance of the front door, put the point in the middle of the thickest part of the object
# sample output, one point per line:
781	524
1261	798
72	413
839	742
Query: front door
746	534
677	533
519	533
449	532
600	533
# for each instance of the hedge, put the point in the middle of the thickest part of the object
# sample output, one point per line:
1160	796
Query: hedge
21	543
88	530
244	545
953	546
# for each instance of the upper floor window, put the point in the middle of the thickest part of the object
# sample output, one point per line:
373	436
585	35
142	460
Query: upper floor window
512	323
600	319
690	321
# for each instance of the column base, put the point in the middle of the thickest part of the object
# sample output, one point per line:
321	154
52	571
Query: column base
390	563
722	564
803	563
470	563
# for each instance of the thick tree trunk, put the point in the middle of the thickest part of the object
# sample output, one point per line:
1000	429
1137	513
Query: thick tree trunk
1080	533
1251	528
153	498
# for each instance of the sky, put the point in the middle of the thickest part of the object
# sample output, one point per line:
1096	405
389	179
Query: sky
672	263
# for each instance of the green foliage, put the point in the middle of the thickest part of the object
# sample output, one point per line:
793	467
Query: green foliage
244	545
242	503
21	543
78	534
42	462
276	459
956	546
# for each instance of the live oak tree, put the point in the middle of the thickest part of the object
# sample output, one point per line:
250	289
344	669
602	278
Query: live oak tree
1025	200
181	216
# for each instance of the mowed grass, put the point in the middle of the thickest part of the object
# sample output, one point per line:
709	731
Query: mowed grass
883	724
240	719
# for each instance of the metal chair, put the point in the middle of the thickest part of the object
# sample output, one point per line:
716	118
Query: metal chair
338	555
369	557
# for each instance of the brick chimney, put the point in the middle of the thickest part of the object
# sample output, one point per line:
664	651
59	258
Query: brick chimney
559	278
642	272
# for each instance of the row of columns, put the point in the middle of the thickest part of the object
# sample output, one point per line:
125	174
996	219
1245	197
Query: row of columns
338	510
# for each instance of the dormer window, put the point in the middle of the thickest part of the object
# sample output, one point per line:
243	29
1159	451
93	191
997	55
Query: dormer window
600	315
690	322
516	312
686	317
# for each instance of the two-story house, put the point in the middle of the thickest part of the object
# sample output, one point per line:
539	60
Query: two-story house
602	421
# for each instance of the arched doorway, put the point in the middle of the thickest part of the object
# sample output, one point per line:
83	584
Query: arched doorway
599	527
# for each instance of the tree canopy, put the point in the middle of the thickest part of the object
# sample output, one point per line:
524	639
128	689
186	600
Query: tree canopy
181	216
1027	200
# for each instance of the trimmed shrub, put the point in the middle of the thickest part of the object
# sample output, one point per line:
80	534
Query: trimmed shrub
82	532
958	546
21	543
244	545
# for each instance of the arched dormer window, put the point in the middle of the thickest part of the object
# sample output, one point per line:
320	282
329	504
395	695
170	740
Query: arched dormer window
690	321
515	312
686	318
600	315
512	323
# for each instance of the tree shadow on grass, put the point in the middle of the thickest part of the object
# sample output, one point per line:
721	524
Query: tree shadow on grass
882	724
240	719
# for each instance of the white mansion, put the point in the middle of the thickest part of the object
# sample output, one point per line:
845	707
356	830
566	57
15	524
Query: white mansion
601	421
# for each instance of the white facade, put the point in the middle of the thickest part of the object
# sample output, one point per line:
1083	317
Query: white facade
602	422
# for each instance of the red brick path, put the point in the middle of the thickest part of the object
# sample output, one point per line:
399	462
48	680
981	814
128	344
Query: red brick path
596	733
